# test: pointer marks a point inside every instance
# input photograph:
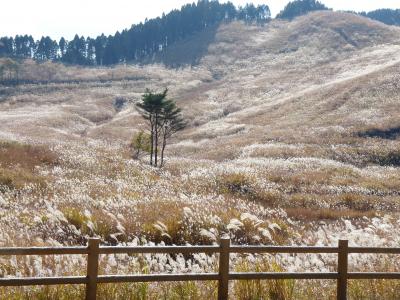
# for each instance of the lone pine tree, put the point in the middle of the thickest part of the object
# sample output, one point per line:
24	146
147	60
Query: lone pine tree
164	119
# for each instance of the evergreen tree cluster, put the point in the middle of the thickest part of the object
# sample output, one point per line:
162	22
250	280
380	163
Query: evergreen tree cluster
164	119
140	41
299	8
387	16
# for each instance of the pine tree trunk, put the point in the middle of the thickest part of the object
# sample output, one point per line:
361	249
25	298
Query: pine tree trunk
156	142
151	144
162	151
156	149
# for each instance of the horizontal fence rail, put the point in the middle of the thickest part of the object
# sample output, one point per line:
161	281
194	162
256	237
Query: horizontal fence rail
93	250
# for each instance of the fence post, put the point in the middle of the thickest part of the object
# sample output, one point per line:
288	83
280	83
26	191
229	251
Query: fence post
223	283
342	270
92	269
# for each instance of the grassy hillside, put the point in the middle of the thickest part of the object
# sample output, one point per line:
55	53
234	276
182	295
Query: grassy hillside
292	139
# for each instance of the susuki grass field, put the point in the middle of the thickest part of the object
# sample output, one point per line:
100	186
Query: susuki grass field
293	139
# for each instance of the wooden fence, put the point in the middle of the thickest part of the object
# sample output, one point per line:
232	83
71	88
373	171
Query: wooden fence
93	250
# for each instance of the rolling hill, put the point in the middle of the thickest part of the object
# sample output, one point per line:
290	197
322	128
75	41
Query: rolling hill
292	124
322	73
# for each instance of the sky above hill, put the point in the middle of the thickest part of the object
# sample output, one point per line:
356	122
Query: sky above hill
93	17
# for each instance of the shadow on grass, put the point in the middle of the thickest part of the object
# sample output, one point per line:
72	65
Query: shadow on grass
186	52
389	134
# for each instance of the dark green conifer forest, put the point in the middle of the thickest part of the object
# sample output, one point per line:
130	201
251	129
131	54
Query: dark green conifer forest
154	36
140	41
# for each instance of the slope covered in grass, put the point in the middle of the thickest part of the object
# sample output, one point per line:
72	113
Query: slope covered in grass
276	150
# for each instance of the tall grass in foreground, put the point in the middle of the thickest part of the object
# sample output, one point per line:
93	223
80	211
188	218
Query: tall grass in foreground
241	290
128	291
262	289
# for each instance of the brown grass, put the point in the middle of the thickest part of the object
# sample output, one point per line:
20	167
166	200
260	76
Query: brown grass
315	214
18	163
25	156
